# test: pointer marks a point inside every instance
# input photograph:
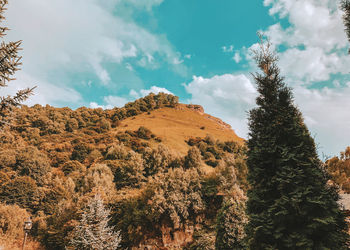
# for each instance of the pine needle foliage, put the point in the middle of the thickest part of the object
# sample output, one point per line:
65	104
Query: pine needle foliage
290	205
345	6
10	62
93	231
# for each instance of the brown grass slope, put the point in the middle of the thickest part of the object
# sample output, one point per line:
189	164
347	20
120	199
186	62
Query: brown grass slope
176	125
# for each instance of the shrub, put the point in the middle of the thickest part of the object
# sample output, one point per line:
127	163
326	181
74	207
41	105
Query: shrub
31	162
144	133
80	152
193	158
72	166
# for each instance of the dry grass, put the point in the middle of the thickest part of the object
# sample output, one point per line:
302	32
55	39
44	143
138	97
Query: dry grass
175	126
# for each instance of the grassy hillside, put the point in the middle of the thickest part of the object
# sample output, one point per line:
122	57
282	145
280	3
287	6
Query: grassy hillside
175	126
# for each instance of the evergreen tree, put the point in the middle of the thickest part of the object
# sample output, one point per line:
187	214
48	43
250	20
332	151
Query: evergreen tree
345	6
290	205
9	64
93	231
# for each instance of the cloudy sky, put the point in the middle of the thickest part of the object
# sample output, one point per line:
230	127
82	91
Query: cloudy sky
105	53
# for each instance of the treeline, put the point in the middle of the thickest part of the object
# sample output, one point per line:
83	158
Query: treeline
49	120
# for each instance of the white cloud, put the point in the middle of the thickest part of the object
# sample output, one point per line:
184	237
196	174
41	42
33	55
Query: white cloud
315	39
326	113
44	93
147	4
154	90
73	37
227	49
237	57
226	96
117	101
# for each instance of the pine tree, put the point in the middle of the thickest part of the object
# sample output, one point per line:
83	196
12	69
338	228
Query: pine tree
290	205
93	231
9	64
345	6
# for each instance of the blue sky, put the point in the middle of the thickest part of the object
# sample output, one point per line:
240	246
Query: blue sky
105	53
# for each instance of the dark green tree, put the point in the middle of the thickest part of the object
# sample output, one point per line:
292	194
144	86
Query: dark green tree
290	205
9	64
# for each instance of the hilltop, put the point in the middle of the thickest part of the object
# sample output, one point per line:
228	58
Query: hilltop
175	126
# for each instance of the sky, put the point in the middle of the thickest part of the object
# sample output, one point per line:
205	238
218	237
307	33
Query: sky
106	53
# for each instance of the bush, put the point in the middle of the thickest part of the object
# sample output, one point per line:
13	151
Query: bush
193	158
144	133
80	152
72	166
31	162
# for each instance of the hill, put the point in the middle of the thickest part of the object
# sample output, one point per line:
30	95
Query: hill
175	126
164	169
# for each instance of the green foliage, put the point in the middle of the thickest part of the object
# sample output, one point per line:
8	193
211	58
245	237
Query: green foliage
134	219
290	205
128	172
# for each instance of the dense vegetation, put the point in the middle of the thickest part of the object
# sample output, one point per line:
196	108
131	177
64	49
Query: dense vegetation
88	184
52	160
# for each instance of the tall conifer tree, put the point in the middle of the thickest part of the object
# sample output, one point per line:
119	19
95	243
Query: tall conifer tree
290	205
345	6
9	64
